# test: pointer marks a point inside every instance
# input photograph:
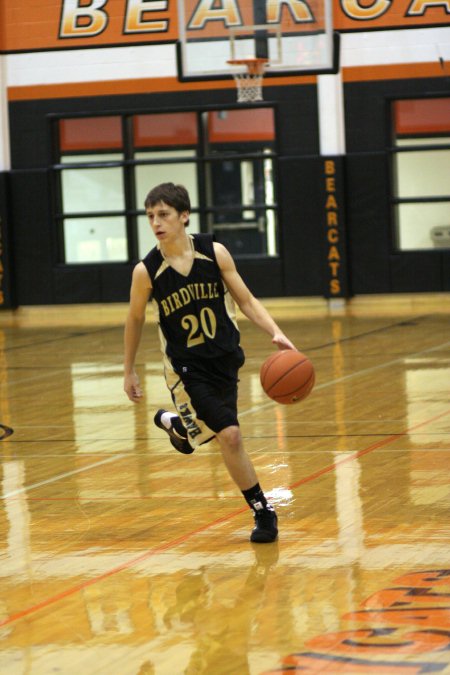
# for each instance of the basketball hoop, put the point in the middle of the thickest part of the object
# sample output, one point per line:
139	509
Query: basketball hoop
249	83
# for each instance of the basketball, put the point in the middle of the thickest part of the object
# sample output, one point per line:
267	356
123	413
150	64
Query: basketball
287	376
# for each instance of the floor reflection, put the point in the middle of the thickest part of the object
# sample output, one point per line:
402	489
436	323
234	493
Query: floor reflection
118	555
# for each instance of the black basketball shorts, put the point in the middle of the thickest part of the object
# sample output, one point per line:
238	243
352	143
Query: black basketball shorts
205	393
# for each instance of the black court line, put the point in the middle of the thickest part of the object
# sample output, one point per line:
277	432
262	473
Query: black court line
382	329
409	322
172	544
61	338
405	323
249	438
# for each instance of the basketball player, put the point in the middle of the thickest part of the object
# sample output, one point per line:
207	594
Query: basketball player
192	282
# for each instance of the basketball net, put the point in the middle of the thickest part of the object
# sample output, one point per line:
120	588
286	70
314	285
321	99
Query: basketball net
249	83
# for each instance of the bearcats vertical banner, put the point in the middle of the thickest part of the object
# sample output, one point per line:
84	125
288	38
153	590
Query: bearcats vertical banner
7	296
337	280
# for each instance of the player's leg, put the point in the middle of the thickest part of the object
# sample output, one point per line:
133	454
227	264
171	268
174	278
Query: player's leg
184	427
242	471
236	460
206	402
173	426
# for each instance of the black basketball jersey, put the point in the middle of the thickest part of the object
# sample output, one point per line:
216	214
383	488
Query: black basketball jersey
195	313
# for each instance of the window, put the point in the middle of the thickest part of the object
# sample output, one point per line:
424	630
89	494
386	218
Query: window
91	190
421	173
241	195
105	166
166	148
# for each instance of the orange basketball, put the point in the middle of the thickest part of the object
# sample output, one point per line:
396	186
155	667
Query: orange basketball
287	376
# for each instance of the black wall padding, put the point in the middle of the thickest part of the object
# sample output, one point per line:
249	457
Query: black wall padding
8	296
32	236
302	237
368	222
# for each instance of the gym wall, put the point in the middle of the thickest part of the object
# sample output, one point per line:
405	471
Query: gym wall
116	57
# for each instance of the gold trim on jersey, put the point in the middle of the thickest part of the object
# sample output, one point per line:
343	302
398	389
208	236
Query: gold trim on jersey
164	266
198	431
196	256
230	307
202	256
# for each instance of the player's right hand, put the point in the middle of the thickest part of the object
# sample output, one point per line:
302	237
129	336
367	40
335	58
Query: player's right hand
132	387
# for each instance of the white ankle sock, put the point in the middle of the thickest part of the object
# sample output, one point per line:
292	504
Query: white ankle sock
166	417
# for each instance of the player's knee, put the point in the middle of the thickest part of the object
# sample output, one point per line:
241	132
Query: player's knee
230	438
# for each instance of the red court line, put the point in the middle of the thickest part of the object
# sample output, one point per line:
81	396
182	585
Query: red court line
47	602
134	561
365	451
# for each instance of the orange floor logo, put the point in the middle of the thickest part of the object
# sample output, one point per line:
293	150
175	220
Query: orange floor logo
402	626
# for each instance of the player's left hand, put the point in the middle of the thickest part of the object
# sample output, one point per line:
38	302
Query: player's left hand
282	342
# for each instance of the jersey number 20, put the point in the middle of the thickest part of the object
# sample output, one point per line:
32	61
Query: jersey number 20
197	330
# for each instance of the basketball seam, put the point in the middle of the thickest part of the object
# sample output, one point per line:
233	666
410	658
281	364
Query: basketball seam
289	393
274	358
286	373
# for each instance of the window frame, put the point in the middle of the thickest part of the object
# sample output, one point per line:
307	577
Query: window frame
132	211
393	150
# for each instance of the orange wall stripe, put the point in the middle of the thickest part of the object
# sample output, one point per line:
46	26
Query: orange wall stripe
396	71
138	86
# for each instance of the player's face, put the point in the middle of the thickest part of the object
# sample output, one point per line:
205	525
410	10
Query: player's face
166	222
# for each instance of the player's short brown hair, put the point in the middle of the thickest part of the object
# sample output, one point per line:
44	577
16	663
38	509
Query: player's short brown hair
173	195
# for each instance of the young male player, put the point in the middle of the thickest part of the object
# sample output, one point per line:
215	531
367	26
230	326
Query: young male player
192	282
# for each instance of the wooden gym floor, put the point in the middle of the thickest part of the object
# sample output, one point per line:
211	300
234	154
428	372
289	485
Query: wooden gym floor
120	556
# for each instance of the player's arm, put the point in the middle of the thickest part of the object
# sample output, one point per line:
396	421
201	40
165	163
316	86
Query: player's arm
140	292
246	301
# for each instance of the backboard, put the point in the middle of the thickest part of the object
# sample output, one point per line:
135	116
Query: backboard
295	35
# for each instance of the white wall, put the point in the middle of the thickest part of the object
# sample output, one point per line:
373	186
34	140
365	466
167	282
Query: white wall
417	45
91	65
5	161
